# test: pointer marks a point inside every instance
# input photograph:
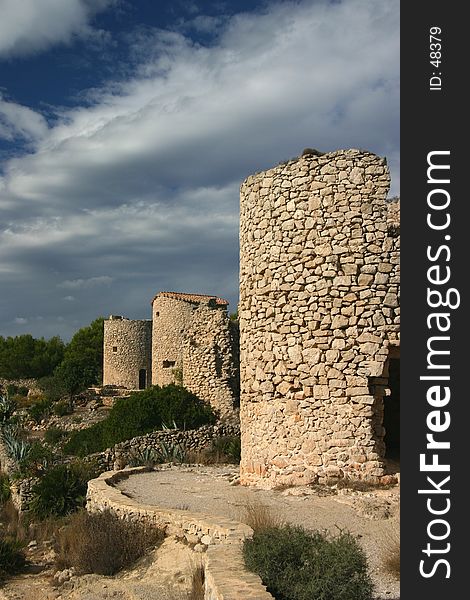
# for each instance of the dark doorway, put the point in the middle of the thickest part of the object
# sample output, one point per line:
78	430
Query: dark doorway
391	420
142	379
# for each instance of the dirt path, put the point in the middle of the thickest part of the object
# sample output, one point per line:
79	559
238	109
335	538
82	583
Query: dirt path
371	516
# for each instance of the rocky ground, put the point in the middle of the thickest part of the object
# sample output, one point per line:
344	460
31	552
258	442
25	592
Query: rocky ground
165	574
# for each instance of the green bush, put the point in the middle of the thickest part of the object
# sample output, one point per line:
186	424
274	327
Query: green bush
61	490
62	408
54	435
16	390
40	410
296	564
12	557
141	413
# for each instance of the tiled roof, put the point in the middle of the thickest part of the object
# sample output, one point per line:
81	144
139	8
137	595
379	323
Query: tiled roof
191	297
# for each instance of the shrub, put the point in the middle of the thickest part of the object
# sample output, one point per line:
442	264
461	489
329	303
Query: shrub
391	554
12	556
54	435
296	564
226	448
5	491
17	390
40	410
62	408
141	413
102	543
61	490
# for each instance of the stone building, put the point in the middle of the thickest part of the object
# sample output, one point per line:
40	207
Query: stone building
190	340
127	353
319	320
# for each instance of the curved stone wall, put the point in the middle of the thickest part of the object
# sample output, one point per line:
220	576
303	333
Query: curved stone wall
127	352
226	577
319	317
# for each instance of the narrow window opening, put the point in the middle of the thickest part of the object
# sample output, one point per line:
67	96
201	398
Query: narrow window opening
142	379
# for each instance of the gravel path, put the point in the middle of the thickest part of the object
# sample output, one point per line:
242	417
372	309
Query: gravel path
371	516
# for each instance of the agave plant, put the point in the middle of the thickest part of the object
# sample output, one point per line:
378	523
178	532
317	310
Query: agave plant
172	452
7	408
147	457
17	449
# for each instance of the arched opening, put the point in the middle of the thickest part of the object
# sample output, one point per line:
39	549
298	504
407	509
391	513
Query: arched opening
142	379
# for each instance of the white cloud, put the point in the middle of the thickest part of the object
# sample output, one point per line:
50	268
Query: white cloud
69	298
28	26
81	284
20	320
17	121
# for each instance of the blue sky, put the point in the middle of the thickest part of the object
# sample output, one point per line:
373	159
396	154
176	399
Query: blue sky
126	128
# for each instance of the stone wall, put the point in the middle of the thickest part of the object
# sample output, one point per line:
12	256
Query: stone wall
193	440
319	317
219	539
193	344
127	352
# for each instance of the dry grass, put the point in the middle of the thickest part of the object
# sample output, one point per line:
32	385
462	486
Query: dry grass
259	516
102	543
391	554
11	521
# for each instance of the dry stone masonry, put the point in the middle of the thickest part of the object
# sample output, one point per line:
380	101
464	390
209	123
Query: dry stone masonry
190	341
319	319
127	348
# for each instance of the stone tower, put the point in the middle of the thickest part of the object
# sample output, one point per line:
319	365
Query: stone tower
194	345
127	353
319	319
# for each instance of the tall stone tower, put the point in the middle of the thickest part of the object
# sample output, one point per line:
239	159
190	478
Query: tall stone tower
127	353
319	319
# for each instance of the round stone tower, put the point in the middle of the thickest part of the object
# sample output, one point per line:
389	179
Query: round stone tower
319	319
127	352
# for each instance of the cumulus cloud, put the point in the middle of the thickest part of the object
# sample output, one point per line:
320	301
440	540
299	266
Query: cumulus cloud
33	25
142	182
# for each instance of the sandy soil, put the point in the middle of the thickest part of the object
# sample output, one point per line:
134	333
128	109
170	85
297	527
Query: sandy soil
164	574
